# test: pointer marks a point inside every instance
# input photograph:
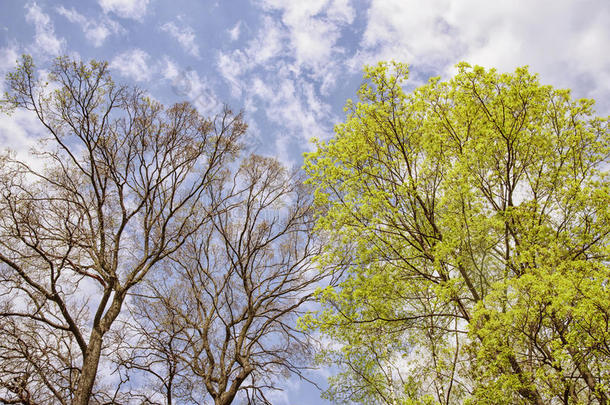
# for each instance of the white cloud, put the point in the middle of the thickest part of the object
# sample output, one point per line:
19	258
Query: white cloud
45	40
96	30
304	39
314	27
341	11
297	55
414	32
185	36
289	65
268	44
231	67
134	9
20	129
134	64
189	85
293	105
8	60
563	40
170	69
235	31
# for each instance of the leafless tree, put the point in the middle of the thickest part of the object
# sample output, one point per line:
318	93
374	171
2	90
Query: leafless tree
153	344
232	295
119	185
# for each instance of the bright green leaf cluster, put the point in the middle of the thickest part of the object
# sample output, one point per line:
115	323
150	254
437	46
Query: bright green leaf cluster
470	219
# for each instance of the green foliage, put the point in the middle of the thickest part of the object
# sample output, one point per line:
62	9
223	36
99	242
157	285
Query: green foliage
471	220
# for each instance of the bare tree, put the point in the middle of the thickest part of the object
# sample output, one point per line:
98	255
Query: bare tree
122	184
153	345
235	290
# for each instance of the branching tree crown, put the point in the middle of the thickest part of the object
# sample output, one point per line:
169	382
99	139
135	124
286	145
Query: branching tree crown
473	219
227	306
120	185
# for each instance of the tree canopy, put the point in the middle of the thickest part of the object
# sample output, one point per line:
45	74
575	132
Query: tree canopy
221	318
141	234
472	219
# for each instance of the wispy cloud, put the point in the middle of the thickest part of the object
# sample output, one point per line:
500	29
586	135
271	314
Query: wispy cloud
235	31
133	9
305	38
314	28
341	11
95	30
134	64
188	84
289	67
8	60
292	104
268	44
45	40
184	34
562	40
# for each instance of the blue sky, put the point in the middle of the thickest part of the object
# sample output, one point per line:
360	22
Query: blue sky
291	65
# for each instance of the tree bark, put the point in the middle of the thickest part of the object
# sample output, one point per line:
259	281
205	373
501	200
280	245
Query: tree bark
91	358
89	370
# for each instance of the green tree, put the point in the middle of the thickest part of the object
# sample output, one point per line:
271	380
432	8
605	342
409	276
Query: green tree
471	218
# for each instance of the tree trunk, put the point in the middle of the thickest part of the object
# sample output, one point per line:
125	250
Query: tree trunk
227	397
531	394
91	358
89	371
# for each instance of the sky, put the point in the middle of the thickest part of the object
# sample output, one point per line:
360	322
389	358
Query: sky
290	65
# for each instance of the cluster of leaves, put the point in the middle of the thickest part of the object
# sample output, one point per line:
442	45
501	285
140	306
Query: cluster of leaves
472	218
